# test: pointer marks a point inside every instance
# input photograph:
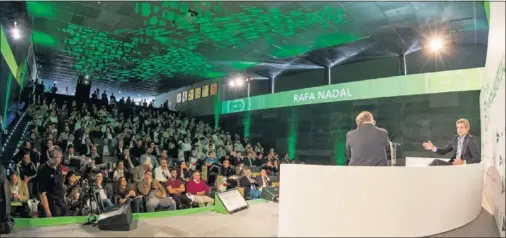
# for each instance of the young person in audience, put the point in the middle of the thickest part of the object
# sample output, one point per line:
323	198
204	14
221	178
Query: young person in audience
124	192
176	189
120	172
27	171
104	193
149	158
138	150
19	193
155	194
250	185
162	172
198	190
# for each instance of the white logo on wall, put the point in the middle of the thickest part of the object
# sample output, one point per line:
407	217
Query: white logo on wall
322	95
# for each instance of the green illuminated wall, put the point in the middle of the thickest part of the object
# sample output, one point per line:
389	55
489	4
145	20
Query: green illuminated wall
12	74
428	83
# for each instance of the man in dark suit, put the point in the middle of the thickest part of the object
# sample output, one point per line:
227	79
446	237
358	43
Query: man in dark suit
464	146
366	145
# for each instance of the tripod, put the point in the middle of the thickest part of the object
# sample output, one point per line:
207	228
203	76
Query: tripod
88	197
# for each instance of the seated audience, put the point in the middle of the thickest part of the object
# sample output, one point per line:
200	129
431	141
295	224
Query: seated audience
162	172
250	185
263	180
197	191
27	171
19	193
103	195
176	189
183	172
125	192
139	173
155	194
95	156
120	172
149	158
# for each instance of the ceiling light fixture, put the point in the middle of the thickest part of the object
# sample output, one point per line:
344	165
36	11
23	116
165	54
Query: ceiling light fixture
436	45
239	82
231	83
16	33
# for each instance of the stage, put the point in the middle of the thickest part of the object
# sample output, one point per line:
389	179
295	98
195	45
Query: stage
260	220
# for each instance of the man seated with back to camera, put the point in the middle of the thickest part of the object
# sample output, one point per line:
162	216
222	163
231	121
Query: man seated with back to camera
104	192
19	193
250	185
465	148
124	192
176	189
197	191
366	145
155	194
50	184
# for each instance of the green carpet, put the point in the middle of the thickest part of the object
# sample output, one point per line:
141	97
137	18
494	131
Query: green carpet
56	221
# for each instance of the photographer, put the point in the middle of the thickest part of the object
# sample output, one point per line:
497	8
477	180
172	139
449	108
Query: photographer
50	184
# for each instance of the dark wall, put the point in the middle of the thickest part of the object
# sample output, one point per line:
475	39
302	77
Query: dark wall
410	120
300	79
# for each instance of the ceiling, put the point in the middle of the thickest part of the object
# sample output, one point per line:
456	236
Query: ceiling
152	47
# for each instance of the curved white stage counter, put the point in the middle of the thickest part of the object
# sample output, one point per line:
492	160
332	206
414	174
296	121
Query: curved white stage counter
335	201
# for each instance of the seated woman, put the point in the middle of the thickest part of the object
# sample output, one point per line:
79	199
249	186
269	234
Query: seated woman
120	172
123	191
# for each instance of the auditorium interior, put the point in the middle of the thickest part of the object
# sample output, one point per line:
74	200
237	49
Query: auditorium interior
175	118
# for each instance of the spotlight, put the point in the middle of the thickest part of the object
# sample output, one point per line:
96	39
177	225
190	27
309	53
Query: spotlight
231	83
239	82
16	33
436	44
87	77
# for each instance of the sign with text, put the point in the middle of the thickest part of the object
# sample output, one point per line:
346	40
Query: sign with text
428	83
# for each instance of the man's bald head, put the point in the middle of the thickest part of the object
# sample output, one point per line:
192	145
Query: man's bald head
364	117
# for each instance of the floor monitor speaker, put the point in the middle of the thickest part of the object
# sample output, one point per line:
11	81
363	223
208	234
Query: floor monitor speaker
117	220
271	194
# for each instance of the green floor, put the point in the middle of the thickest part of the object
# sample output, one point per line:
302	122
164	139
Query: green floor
55	221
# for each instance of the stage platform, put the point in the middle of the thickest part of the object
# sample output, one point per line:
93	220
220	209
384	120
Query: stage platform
260	220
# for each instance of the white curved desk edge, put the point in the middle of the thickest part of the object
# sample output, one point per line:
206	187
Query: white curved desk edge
377	201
